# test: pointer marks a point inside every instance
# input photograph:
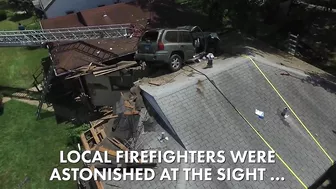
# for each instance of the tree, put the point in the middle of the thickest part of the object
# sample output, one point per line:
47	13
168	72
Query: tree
22	5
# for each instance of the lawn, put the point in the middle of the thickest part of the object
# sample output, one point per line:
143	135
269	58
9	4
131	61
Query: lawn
18	64
30	148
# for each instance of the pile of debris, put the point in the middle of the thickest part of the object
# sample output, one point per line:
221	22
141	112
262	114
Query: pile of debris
98	69
114	132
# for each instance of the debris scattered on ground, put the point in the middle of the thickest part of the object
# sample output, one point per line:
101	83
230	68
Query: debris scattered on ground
162	137
157	83
98	69
260	114
200	87
92	137
286	73
284	112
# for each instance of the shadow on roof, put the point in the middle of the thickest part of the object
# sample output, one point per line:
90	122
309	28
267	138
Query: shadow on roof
161	119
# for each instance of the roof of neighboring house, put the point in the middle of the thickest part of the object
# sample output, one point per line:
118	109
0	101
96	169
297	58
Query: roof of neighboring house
115	14
44	4
70	20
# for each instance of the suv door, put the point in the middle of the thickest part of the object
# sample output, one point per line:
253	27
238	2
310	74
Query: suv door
186	44
170	41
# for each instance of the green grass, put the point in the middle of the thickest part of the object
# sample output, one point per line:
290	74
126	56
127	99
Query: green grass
30	148
30	22
18	64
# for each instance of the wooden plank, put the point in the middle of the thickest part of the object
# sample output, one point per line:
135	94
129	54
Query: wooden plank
110	152
102	132
108	112
134	112
96	123
127	104
106	67
109	117
99	184
99	73
156	83
118	144
95	136
84	142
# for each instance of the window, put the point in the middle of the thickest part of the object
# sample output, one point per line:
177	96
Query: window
185	37
171	36
150	36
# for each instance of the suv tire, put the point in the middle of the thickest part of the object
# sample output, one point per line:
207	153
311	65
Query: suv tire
175	62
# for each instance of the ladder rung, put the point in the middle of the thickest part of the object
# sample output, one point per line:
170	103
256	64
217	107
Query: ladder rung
38	37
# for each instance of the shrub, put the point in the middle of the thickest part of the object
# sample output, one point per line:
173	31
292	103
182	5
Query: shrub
3	15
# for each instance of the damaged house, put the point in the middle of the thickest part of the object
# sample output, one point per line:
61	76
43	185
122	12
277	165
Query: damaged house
93	72
89	74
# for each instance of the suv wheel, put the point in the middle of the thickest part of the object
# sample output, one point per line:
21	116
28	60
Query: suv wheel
175	62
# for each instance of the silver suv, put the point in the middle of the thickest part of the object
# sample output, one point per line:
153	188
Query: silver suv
170	46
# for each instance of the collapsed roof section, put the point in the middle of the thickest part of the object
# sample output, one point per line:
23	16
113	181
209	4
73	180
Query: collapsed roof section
70	56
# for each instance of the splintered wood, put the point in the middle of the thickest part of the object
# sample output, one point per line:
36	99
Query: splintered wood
98	69
98	183
118	144
200	87
119	67
130	108
92	137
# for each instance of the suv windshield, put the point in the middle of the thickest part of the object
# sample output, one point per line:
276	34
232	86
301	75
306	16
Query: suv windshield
150	36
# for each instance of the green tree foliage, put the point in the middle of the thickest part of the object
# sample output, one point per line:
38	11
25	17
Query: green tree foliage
240	13
22	5
3	15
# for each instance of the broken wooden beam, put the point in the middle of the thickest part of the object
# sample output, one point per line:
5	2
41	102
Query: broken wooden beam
98	183
119	67
110	152
117	143
85	142
156	83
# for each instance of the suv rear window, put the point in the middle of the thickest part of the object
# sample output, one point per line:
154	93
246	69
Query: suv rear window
171	36
150	36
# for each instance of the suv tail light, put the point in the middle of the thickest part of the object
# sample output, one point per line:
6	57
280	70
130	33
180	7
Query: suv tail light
160	46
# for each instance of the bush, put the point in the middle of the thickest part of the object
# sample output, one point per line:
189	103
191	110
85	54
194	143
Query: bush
3	15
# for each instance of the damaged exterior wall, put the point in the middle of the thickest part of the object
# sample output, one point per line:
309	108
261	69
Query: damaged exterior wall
105	90
100	91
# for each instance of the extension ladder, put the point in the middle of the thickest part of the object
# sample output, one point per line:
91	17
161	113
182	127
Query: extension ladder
40	37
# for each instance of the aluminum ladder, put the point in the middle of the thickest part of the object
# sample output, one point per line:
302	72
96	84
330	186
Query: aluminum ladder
46	82
39	37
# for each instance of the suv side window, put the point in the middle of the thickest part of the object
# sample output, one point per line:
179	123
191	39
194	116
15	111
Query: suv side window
171	36
185	37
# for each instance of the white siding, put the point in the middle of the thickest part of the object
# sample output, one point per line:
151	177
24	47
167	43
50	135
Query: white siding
60	7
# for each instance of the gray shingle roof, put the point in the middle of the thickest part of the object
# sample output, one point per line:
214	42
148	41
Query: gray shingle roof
206	121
